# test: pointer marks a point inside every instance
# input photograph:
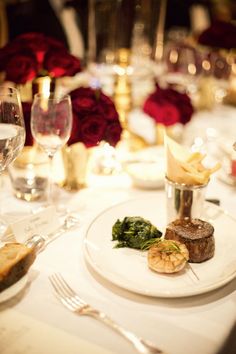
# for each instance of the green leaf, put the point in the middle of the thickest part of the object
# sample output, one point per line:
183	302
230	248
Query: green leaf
135	232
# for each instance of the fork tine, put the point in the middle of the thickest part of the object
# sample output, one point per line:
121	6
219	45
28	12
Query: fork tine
61	297
67	290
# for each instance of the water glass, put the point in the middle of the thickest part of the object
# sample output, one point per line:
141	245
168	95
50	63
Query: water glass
51	123
29	174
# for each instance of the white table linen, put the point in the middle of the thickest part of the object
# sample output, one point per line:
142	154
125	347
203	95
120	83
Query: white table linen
35	322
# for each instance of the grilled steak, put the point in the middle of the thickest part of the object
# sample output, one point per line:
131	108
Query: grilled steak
196	234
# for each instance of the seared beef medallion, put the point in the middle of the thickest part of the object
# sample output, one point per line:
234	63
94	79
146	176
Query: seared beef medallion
196	234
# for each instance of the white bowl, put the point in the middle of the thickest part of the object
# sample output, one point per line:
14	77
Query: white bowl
146	174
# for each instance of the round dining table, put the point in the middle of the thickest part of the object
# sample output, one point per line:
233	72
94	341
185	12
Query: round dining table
34	321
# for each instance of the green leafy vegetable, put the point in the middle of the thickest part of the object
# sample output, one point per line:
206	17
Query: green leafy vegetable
135	232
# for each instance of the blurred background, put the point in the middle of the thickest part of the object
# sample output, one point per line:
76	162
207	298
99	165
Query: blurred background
128	47
114	23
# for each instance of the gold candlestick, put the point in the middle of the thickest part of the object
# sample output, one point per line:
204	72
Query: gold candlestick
123	99
159	43
122	88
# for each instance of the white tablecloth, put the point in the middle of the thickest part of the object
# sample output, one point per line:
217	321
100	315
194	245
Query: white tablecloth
35	322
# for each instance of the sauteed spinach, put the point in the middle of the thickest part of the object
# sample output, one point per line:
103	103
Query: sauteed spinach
135	232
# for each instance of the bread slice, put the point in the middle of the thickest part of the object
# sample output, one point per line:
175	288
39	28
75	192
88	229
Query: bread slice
15	260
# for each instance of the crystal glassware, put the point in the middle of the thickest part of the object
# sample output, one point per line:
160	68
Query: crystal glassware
51	123
12	129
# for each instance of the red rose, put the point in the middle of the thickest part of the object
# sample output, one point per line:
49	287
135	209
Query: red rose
38	44
94	118
107	108
220	34
113	133
35	42
166	113
84	100
152	108
41	53
59	113
60	63
75	135
92	130
168	106
21	68
26	107
8	52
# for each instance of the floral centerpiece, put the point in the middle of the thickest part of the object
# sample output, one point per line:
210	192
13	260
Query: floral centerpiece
219	41
94	118
220	34
168	107
33	54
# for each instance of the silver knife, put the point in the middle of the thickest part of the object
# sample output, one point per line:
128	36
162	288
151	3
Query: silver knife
39	242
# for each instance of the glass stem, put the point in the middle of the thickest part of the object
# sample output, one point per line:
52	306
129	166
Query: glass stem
50	180
3	224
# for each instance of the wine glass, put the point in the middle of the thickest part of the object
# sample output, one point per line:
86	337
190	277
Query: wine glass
12	129
51	123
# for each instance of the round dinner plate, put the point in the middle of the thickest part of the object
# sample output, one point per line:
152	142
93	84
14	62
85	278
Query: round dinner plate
14	289
128	268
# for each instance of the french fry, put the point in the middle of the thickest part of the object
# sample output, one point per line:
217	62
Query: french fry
186	167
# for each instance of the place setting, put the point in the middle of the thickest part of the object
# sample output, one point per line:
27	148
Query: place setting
117	166
26	236
208	269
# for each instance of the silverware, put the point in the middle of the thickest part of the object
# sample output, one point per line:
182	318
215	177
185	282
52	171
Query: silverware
39	242
73	302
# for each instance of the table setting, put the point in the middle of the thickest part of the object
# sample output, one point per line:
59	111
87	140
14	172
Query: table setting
118	189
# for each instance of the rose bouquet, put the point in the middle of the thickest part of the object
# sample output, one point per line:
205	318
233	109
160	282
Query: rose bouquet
168	106
33	54
219	35
94	118
217	41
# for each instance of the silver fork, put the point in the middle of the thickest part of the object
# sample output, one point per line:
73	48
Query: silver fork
74	303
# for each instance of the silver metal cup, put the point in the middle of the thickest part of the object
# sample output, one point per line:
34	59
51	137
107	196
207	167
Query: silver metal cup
184	201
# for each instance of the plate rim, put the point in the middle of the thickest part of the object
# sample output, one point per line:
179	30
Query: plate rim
163	294
13	289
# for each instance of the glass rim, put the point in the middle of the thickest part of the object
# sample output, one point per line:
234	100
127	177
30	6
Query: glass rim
41	95
185	186
14	89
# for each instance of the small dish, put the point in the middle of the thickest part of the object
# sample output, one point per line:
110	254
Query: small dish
14	289
146	174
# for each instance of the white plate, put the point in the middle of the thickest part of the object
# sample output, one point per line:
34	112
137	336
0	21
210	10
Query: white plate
128	268
14	289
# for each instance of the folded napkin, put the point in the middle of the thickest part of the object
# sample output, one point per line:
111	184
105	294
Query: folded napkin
183	166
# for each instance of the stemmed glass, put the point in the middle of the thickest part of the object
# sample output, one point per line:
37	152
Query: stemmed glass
12	129
51	123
